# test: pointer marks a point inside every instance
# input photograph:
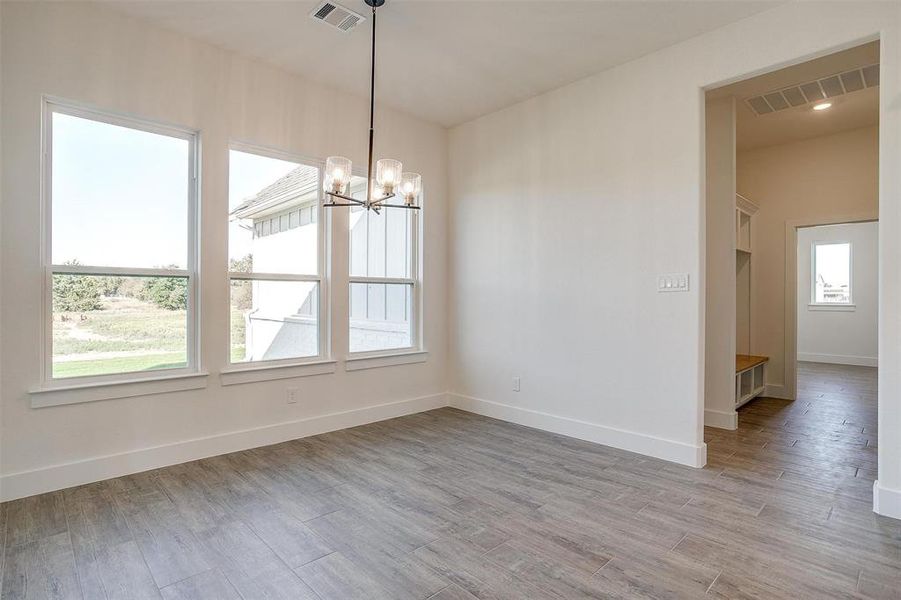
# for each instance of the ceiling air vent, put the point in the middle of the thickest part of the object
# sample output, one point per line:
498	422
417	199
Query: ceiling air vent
337	16
814	91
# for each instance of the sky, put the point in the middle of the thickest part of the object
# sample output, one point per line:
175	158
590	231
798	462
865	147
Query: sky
118	188
124	189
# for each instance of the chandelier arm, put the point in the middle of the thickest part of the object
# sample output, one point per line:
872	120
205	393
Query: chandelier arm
369	174
411	207
380	201
343	197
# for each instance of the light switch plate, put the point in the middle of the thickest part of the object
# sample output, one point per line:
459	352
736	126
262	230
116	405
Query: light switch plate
673	282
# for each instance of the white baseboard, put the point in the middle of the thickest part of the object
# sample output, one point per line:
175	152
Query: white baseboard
838	359
46	479
678	452
721	419
886	502
775	391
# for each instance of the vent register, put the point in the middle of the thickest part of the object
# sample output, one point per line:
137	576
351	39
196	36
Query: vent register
815	91
331	13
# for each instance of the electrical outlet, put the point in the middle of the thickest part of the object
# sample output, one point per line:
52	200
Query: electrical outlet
516	384
292	395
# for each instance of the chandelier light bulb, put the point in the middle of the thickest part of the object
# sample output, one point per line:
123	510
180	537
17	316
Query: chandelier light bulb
411	187
387	174
337	174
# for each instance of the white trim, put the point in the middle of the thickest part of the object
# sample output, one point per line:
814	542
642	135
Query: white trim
836	307
241	276
886	501
267	371
46	479
746	206
773	390
839	359
123	271
76	393
721	419
380	280
671	450
357	362
49	106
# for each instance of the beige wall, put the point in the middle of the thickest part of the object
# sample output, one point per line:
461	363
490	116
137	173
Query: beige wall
821	179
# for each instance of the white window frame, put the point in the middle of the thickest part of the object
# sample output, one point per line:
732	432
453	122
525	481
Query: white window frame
414	233
838	306
50	106
259	370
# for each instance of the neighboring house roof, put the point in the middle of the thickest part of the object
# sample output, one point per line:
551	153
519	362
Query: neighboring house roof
294	186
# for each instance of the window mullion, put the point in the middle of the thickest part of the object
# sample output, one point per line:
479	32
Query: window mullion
383	280
273	276
117	271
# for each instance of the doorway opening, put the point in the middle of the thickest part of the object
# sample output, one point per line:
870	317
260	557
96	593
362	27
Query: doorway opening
792	197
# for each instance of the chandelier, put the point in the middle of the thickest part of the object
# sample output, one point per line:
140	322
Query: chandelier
387	180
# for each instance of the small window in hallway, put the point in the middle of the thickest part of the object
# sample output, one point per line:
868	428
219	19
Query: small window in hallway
831	273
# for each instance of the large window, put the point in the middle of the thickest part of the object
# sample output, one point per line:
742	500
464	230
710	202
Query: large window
275	258
120	197
383	268
831	273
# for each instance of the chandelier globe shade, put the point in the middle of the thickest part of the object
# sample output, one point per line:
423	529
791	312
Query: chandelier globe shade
338	171
410	187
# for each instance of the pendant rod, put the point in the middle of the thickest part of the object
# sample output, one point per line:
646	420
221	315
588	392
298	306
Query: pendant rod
370	174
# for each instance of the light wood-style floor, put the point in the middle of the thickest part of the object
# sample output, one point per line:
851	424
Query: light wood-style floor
449	506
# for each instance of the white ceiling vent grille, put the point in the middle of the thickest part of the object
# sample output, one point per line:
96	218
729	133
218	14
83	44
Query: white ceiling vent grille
814	91
337	16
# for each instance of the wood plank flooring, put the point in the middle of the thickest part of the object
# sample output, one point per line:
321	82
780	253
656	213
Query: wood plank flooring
451	506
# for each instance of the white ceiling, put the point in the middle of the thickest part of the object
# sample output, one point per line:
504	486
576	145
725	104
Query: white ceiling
848	111
454	60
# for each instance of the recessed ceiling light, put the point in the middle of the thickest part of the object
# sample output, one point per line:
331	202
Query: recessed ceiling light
822	105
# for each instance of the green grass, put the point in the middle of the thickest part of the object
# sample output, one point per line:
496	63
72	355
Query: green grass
119	334
237	354
126	364
126	335
237	325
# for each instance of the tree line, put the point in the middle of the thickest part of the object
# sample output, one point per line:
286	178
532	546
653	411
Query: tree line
83	293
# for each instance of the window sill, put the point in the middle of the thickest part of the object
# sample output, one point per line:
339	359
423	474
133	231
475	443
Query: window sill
833	307
75	393
252	374
385	359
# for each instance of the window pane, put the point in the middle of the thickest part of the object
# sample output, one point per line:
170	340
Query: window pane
116	187
104	325
272	320
380	316
832	279
379	243
266	197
